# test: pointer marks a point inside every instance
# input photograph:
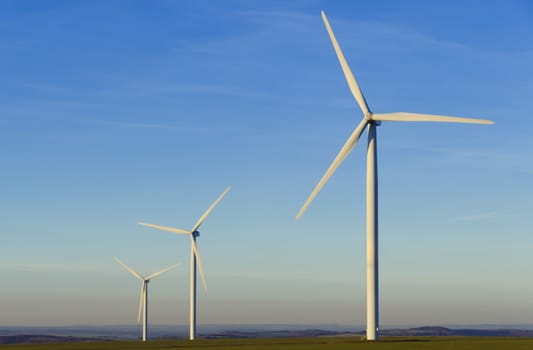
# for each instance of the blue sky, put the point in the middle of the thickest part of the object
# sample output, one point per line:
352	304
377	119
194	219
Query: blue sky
112	112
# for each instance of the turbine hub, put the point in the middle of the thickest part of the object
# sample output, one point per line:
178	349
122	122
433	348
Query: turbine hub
196	234
368	117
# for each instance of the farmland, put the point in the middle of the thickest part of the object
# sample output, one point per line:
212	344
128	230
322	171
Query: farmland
318	343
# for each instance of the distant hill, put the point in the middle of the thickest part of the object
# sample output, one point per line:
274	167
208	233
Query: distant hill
69	335
443	331
41	339
419	332
273	334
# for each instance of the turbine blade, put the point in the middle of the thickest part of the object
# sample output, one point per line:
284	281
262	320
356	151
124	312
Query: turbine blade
143	290
166	228
199	262
129	269
162	271
352	83
208	211
415	117
345	150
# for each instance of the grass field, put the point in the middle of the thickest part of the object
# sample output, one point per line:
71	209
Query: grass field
340	343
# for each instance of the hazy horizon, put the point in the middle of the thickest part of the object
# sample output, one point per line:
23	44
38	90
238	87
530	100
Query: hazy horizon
209	328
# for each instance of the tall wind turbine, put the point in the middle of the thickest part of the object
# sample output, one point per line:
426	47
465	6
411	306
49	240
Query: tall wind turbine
370	120
195	258
143	302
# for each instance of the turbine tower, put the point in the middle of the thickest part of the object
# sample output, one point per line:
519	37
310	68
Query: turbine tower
195	259
371	121
143	302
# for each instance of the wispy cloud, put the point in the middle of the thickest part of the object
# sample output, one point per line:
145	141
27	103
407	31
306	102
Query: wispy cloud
128	88
194	88
123	124
516	157
492	215
478	217
159	126
41	87
264	28
518	160
53	268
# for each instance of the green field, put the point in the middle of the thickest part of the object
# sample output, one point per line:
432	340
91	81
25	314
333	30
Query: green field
341	343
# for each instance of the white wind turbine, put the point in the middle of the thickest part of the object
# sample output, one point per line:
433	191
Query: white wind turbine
143	302
371	120
195	257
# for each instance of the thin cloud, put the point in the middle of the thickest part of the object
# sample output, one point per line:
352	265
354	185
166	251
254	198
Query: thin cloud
156	126
492	215
169	88
477	217
53	268
160	126
268	26
516	159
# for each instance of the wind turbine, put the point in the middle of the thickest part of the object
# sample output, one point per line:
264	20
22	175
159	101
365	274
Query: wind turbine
370	120
143	302
195	257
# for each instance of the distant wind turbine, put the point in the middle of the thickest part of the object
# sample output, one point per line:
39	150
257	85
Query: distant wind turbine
143	302
371	120
195	257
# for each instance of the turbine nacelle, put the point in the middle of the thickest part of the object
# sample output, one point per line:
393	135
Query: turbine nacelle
196	234
369	117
